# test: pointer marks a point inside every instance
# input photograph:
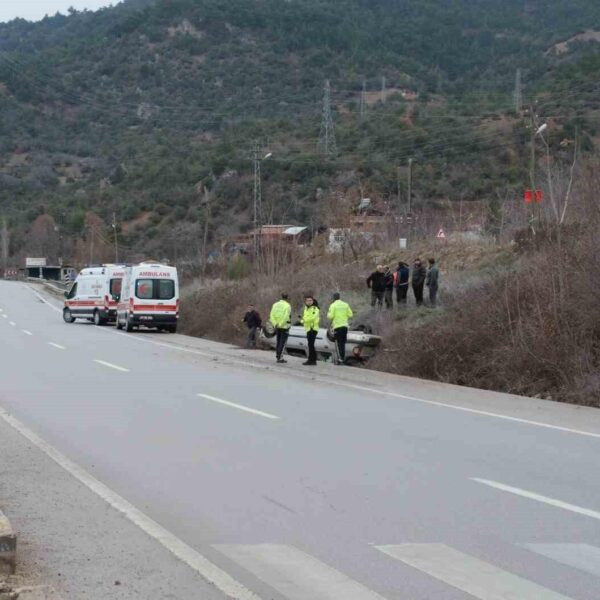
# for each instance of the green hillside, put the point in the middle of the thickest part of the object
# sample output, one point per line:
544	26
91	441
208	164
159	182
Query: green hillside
135	110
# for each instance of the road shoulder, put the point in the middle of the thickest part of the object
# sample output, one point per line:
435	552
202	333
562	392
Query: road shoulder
72	540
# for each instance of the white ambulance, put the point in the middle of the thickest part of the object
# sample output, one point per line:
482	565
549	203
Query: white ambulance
149	298
95	295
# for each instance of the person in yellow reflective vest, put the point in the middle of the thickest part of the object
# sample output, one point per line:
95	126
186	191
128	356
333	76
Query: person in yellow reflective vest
310	319
339	314
281	318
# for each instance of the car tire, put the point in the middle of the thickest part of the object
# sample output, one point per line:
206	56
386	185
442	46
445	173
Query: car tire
99	320
128	325
331	335
68	316
172	329
119	324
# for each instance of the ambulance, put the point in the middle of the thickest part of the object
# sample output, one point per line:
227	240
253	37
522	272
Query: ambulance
94	295
149	298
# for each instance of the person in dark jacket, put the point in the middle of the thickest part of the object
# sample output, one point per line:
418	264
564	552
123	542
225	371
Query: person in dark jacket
389	287
401	277
432	281
418	280
253	323
376	282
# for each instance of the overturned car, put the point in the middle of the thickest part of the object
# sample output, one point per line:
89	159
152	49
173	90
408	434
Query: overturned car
360	345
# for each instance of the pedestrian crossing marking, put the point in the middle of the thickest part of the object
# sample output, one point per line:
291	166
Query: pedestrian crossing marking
467	573
295	574
579	556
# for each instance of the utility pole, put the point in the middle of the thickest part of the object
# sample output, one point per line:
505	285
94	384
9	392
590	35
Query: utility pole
410	170
518	94
257	199
4	244
91	244
363	98
114	226
383	89
327	136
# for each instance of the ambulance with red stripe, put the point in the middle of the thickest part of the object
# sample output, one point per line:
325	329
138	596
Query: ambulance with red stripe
149	298
94	295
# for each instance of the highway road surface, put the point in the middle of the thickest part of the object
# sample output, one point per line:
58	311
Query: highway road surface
224	475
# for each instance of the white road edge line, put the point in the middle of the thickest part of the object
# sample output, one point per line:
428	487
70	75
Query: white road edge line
247	409
353	386
5	316
56	346
44	300
533	496
13	323
209	571
26	332
111	366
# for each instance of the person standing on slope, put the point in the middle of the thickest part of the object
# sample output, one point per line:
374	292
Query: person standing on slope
401	282
253	323
281	318
376	282
389	287
339	314
310	320
418	280
432	281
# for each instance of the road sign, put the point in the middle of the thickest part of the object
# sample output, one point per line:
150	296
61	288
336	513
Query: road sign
441	234
35	262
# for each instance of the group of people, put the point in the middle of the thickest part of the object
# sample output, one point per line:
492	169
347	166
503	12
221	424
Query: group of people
338	315
382	283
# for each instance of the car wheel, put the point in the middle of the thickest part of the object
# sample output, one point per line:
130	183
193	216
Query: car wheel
67	316
172	329
331	335
98	319
128	325
119	324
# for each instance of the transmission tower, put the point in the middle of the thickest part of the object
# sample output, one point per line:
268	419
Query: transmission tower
518	94
327	137
363	98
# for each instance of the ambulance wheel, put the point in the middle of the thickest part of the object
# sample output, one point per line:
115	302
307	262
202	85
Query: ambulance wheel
98	319
67	316
128	325
172	329
119	324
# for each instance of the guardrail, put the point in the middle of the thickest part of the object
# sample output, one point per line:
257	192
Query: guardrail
55	287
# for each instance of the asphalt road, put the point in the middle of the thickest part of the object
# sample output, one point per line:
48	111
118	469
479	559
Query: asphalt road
283	484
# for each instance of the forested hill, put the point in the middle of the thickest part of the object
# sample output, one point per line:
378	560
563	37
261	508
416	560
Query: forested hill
135	109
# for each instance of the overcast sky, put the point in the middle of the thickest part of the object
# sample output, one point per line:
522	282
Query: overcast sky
33	10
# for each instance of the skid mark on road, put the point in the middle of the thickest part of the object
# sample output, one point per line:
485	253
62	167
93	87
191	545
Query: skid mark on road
27	332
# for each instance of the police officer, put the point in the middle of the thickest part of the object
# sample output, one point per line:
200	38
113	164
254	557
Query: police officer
339	314
281	318
310	320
